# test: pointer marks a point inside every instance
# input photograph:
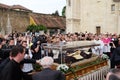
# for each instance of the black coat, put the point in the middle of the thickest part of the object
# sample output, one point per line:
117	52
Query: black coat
11	71
115	57
48	74
4	63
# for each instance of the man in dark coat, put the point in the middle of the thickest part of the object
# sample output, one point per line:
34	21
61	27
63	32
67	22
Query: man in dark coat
12	70
113	74
4	63
47	73
115	57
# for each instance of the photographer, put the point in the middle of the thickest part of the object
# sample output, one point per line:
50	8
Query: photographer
42	39
112	48
115	40
36	51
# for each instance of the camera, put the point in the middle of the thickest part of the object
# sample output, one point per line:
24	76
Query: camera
111	44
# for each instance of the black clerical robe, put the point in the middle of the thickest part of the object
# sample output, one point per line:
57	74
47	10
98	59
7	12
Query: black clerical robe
11	71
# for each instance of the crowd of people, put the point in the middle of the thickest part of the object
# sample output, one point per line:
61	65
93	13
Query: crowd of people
18	49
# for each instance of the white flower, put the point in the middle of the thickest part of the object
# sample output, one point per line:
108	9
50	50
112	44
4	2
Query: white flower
104	56
63	67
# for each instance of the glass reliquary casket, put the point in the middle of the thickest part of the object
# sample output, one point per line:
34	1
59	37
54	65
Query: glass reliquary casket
70	52
76	54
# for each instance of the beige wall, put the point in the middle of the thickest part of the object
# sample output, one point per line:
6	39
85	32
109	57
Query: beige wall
85	15
73	16
18	20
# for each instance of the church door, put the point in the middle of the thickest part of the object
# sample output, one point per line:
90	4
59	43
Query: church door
98	30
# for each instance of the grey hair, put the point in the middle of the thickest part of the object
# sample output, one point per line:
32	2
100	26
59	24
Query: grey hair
113	77
46	62
115	72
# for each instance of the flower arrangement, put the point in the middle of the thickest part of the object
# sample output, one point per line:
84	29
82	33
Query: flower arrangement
104	56
63	68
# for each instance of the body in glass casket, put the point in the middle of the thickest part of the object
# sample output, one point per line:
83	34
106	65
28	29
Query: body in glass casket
70	52
78	54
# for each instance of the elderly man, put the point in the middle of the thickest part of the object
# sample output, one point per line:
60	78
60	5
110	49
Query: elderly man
47	73
113	74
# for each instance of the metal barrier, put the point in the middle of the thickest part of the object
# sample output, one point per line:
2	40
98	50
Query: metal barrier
98	74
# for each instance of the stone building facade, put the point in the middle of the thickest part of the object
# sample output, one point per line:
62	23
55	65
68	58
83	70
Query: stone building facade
96	16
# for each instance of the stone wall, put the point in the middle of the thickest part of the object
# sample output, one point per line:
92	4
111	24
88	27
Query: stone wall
19	20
